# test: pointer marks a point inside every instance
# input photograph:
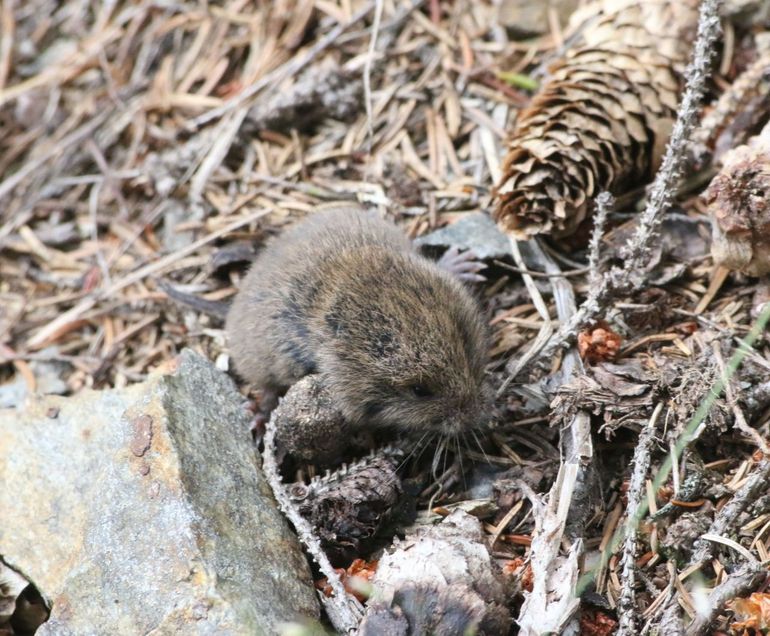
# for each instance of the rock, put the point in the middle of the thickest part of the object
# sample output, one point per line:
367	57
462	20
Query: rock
474	231
144	510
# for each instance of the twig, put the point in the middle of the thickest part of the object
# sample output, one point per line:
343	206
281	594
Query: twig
740	420
604	203
227	130
739	584
755	486
346	612
368	70
664	185
545	331
671	621
518	270
636	490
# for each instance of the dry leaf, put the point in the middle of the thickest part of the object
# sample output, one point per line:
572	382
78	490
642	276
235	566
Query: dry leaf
753	612
519	568
596	623
358	572
598	344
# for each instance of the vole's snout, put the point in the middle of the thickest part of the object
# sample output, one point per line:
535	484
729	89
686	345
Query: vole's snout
467	414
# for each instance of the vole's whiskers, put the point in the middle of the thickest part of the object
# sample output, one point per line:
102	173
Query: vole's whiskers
460	459
481	448
440	448
415	449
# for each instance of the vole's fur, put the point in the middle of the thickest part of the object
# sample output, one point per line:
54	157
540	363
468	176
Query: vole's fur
342	293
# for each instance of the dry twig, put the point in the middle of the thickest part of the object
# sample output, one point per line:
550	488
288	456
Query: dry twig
343	610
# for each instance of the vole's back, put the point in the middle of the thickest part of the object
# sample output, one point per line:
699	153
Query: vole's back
268	326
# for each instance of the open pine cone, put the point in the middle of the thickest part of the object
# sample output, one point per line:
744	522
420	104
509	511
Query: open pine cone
602	119
738	200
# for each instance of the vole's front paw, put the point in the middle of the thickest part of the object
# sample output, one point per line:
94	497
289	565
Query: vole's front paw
464	265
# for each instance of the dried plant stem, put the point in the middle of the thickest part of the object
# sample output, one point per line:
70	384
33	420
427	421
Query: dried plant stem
637	254
368	70
555	576
641	463
343	610
604	203
740	420
551	604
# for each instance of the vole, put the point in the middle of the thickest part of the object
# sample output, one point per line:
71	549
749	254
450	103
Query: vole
399	340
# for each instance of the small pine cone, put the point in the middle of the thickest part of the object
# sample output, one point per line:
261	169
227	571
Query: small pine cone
349	506
602	119
738	200
308	424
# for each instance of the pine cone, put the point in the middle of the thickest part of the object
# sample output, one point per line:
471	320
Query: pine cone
602	119
738	200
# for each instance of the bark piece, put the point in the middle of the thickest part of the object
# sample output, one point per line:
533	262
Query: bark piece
738	200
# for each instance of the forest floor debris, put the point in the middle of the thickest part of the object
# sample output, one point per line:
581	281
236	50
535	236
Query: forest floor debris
147	141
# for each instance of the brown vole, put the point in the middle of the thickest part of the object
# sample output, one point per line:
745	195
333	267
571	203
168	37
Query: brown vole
396	338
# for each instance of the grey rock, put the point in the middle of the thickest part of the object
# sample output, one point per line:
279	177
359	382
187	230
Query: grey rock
144	510
474	231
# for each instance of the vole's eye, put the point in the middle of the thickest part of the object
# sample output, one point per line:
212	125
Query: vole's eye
420	391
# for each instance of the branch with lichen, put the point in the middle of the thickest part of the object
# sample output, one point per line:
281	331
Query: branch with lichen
736	585
635	511
604	204
755	486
